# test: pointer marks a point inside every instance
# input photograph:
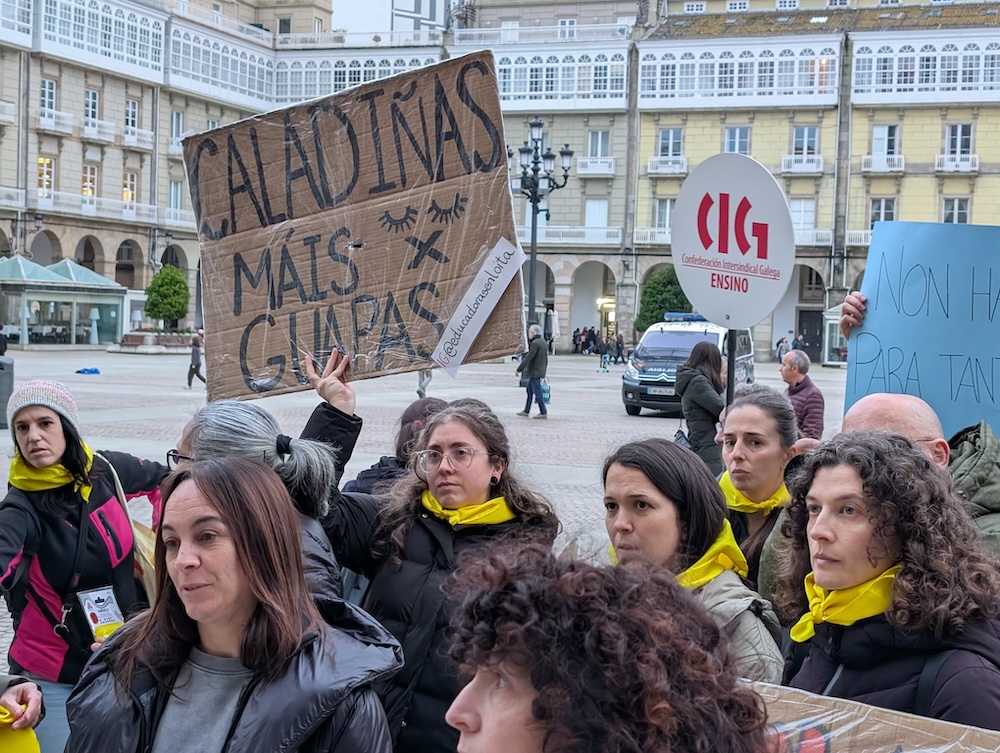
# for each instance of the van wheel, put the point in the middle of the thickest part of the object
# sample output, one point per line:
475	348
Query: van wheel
633	410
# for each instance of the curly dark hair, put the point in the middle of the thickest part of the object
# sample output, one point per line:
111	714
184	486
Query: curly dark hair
948	577
624	660
403	506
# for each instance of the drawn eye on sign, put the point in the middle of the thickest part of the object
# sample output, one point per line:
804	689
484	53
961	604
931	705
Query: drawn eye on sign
447	215
404	223
285	201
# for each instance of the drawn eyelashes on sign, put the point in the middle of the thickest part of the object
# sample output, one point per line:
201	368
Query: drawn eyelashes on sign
404	223
447	215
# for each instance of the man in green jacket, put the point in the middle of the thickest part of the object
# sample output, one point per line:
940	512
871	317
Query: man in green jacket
533	367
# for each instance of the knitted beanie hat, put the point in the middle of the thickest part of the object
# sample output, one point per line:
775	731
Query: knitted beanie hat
54	395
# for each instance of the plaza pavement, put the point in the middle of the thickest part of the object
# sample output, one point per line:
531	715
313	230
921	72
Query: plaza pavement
138	404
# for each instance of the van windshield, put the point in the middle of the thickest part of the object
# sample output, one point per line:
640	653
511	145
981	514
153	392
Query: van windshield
666	344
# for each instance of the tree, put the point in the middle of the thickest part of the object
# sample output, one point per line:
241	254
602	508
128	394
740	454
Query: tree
661	293
167	296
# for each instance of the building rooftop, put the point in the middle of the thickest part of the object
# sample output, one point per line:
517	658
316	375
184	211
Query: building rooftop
826	21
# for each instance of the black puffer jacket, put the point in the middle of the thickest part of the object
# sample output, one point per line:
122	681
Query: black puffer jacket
323	704
701	406
881	666
377	478
407	598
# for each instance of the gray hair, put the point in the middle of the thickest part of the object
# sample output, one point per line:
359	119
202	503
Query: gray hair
534	330
230	428
800	360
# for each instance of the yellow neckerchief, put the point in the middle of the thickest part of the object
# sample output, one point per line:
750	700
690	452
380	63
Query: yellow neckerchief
489	513
27	478
738	502
845	606
724	554
15	741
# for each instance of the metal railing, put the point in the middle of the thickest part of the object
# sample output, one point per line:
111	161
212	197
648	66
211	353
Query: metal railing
646	236
802	163
93	206
342	39
883	163
534	34
813	237
595	166
957	163
859	237
667	166
221	22
568	235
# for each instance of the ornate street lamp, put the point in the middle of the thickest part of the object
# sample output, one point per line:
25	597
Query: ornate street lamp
537	183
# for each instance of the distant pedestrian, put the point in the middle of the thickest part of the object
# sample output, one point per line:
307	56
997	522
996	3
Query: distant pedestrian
194	370
576	340
423	382
781	348
799	343
619	349
604	348
533	366
806	397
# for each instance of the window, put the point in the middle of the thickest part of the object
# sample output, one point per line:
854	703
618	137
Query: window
671	142
567	28
737	6
694	7
787	4
811	287
48	95
217	9
598	144
958	140
91	106
805	139
661	212
596	213
46	177
317	26
882	210
737	140
836	3
956	211
88	184
131	113
803	213
176	124
130	188
285	25
885	140
211	124
174	194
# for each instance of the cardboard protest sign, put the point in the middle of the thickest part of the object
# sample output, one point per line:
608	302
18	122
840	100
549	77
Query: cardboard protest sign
932	323
808	723
359	221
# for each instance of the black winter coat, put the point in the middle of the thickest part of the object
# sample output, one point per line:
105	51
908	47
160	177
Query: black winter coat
407	598
882	666
324	703
701	406
535	363
378	478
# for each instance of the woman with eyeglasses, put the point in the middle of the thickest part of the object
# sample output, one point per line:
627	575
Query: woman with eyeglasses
461	495
65	541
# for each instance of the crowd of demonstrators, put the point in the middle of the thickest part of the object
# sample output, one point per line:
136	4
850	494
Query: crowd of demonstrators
700	386
307	467
234	654
63	532
533	367
805	396
900	602
566	656
462	495
663	506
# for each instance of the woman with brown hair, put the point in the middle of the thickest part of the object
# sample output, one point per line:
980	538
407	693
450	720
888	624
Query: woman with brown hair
897	603
699	383
234	655
758	442
565	656
462	494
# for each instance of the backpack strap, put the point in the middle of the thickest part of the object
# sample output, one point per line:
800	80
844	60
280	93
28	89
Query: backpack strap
927	681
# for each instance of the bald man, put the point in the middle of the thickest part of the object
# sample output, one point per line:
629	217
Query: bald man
906	415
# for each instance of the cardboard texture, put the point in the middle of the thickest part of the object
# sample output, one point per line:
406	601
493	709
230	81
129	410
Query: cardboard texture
809	723
355	221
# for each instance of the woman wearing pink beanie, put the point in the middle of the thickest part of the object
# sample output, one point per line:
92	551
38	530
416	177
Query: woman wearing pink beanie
65	544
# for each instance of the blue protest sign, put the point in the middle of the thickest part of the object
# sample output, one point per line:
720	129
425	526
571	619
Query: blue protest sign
932	323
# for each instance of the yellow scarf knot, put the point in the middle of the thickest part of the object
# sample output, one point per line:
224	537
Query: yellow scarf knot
738	502
846	606
488	513
27	478
724	554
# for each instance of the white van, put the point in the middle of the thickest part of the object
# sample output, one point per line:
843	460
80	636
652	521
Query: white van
651	370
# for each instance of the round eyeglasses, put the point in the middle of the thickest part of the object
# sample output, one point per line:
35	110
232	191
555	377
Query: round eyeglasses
459	458
174	458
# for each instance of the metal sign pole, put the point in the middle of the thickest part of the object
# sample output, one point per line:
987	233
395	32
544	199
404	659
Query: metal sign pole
730	367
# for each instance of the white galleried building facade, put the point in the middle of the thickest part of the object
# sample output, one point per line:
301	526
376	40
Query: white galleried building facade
864	111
